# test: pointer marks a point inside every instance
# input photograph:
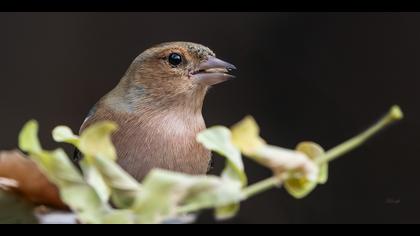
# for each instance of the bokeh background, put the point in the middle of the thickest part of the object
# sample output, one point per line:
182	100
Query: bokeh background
304	76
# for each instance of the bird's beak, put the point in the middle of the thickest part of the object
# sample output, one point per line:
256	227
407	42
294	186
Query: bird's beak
213	71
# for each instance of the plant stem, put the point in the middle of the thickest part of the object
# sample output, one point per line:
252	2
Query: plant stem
393	115
189	208
248	192
262	186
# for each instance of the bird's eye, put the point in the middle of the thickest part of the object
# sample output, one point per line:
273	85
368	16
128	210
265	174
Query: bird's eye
174	59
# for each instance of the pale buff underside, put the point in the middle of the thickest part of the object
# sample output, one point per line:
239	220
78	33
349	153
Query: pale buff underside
150	140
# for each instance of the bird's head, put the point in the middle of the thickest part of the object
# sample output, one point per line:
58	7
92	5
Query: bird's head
175	73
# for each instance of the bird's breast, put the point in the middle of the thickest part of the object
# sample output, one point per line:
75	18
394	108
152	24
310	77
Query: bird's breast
166	141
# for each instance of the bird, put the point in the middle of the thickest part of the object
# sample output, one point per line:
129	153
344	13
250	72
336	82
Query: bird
157	106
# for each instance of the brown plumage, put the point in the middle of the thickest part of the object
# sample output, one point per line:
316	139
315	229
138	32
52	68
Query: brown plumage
158	104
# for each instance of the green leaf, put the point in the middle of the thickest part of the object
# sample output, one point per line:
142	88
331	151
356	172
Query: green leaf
163	191
300	187
96	140
246	136
219	139
74	191
85	202
323	174
282	160
227	212
298	165
211	191
314	151
99	167
28	137
119	217
56	165
124	187
66	135
91	173
95	179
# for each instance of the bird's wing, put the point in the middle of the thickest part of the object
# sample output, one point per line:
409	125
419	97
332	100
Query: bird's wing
77	155
91	113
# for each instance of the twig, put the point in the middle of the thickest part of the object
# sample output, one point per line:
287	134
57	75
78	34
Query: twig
393	115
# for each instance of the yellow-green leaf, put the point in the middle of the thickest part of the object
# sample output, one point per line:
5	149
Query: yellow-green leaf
227	212
91	173
85	202
246	135
300	186
313	151
65	134
74	191
124	187
119	217
96	140
163	191
28	137
213	192
95	179
282	160
98	165
56	165
219	139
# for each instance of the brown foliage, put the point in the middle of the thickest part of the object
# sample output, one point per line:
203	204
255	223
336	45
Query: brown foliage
21	175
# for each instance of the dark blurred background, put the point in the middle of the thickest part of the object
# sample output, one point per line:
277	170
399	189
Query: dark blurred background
304	76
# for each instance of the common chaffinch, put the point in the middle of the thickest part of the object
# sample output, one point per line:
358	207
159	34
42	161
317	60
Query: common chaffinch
158	108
